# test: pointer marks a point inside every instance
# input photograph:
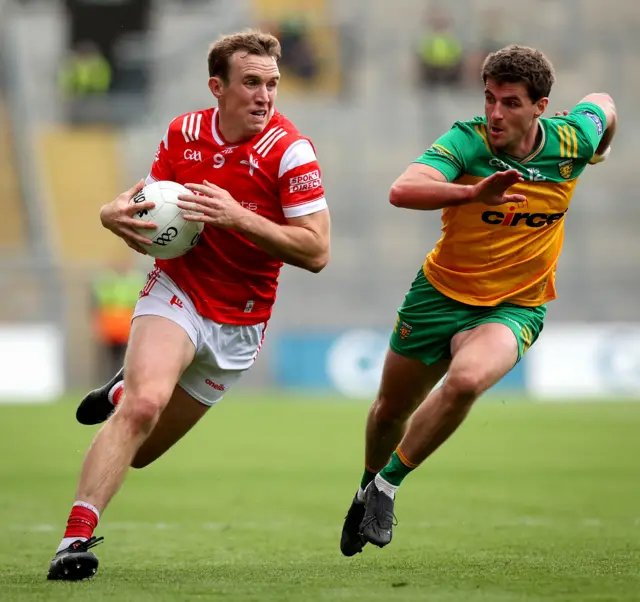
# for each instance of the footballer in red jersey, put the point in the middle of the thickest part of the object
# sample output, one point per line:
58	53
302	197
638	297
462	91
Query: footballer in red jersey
255	182
274	174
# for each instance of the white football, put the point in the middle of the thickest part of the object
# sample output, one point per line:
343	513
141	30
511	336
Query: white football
175	236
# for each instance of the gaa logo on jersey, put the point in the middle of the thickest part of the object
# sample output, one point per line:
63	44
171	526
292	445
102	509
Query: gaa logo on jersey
565	168
191	155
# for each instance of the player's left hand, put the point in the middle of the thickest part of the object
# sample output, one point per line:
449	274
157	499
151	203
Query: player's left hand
214	205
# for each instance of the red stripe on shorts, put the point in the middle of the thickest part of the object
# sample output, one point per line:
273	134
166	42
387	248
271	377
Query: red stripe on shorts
152	278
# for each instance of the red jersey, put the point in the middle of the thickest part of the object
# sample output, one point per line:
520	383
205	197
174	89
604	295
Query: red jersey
276	174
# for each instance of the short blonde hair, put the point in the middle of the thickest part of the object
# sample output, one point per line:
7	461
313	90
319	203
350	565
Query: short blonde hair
250	41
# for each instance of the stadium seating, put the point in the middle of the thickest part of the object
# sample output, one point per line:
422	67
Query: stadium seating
82	169
13	226
323	36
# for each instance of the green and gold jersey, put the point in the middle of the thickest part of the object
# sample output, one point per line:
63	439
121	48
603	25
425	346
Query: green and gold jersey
490	255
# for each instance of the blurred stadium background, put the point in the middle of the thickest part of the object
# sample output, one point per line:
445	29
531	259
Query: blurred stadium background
70	142
87	89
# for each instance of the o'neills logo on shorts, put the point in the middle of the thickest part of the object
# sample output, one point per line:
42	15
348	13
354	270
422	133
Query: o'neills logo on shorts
307	181
215	386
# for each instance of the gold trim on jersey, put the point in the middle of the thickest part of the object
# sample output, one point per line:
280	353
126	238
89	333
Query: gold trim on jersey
538	150
481	130
568	142
446	151
535	153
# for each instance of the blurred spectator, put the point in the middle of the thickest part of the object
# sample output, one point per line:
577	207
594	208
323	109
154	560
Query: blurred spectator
85	72
106	75
298	54
107	24
440	53
114	293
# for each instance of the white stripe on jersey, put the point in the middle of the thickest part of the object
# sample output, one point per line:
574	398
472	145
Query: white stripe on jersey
263	143
272	144
305	208
299	153
184	128
214	129
165	140
196	134
188	122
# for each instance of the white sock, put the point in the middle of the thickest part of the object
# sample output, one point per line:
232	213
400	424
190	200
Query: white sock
67	541
113	390
385	487
88	506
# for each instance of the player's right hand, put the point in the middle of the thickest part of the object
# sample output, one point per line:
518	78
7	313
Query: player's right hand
493	190
118	217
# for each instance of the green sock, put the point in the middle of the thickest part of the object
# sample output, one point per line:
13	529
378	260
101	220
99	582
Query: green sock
395	472
367	477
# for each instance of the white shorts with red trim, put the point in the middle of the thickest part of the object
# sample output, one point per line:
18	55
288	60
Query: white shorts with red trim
223	351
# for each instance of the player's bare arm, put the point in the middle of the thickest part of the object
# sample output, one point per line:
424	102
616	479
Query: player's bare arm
302	242
118	217
423	187
605	102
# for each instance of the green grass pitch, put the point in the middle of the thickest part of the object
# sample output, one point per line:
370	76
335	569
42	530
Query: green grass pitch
528	502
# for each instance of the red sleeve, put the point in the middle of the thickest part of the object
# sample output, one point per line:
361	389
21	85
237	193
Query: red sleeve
300	181
161	168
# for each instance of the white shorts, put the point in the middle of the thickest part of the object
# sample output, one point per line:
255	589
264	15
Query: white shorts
223	351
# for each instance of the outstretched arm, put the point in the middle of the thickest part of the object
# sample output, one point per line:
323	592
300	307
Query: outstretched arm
605	102
424	187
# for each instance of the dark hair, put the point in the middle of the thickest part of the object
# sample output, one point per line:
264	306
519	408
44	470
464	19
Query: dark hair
520	64
250	41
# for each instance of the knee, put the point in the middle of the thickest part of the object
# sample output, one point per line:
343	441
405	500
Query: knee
141	412
462	388
390	411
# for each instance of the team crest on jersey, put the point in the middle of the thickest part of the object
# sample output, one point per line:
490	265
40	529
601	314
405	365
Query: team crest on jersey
566	168
252	163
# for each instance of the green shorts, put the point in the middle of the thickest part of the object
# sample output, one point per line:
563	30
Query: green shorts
428	320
